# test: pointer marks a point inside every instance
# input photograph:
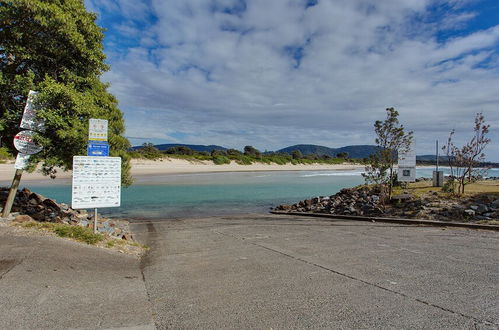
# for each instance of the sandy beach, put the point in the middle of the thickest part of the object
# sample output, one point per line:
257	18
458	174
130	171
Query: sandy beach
141	167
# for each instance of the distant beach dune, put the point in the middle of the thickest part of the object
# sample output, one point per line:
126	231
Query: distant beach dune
142	167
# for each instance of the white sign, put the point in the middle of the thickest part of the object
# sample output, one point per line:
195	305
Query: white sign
23	141
97	129
96	182
30	121
407	158
407	164
21	161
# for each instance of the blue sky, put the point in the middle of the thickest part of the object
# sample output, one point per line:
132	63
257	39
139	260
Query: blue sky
282	72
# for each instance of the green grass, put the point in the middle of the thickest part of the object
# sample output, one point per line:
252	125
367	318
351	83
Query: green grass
80	234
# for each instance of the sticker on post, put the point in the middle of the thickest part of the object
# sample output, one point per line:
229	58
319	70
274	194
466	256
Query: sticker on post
23	141
30	120
97	129
21	161
98	149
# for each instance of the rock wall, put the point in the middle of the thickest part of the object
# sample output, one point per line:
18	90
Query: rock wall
365	201
29	205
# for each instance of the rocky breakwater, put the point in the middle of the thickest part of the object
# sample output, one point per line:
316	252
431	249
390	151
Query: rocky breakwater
30	206
432	205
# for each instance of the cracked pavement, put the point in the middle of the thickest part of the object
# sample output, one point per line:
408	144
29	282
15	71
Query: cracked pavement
282	272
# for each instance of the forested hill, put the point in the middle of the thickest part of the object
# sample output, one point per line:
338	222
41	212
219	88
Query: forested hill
357	151
195	147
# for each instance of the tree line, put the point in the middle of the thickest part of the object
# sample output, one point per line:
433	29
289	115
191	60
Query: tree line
249	155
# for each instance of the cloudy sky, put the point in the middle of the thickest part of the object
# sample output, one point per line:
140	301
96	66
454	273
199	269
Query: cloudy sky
273	73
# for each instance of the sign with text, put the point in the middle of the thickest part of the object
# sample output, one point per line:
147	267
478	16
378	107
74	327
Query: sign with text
97	129
30	120
96	182
23	141
97	148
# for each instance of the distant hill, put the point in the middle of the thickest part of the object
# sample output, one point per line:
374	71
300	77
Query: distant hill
431	158
357	151
195	147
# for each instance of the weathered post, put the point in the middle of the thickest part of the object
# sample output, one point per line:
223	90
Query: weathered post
12	193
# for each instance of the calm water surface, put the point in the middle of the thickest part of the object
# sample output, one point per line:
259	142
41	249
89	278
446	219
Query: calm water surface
188	195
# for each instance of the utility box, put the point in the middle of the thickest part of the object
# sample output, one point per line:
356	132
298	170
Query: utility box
438	178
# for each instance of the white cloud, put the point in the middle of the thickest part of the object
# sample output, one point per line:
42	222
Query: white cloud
233	77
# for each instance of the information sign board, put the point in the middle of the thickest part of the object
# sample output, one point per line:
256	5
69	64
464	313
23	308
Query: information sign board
97	129
96	182
23	141
30	120
98	149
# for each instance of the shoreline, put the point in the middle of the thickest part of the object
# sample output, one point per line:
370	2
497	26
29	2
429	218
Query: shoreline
172	166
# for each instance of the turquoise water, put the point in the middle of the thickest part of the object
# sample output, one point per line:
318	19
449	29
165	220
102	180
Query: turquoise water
192	195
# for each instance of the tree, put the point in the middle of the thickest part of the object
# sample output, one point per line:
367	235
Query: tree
390	139
55	48
251	151
296	154
149	151
342	154
464	161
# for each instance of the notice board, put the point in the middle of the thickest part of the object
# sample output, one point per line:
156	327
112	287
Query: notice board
96	182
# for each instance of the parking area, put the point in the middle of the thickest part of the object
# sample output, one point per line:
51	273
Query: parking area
281	272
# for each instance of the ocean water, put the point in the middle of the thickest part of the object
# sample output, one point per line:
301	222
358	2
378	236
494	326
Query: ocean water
208	194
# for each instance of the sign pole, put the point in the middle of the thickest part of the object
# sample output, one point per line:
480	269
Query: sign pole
12	193
95	221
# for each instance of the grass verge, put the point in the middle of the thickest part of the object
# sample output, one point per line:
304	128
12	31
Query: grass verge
80	234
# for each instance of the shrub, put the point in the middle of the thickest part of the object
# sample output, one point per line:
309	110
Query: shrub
220	160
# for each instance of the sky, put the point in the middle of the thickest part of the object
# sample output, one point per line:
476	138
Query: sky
274	73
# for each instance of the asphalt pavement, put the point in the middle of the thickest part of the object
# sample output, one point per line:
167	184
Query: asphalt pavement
285	272
51	283
256	272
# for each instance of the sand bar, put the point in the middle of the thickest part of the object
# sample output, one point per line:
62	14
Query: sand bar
166	166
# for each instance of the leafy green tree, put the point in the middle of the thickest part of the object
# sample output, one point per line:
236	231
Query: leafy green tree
296	154
391	138
55	48
343	155
149	151
253	152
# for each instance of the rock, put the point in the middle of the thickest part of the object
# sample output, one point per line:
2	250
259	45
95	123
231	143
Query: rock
474	207
36	199
482	208
23	218
52	204
127	237
401	197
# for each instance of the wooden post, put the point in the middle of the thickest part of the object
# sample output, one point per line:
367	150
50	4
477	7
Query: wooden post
12	193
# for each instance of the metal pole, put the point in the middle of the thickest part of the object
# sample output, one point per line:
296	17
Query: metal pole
12	193
95	221
437	155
